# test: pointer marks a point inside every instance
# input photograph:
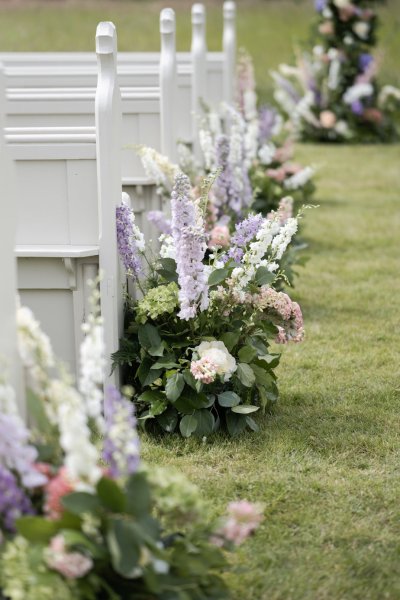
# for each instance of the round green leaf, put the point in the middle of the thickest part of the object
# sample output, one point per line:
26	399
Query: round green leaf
228	399
245	409
188	425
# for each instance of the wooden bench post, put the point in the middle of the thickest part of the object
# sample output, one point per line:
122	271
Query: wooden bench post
109	178
168	83
199	70
10	367
229	50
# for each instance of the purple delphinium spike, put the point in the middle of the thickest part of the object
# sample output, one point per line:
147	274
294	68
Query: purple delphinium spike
364	60
357	107
13	501
189	237
267	117
16	453
245	231
157	218
121	445
320	5
129	239
228	194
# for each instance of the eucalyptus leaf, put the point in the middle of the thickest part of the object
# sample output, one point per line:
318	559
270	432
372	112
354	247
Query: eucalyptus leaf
228	399
217	276
235	423
246	354
188	425
205	422
168	420
263	276
245	409
124	547
230	339
245	375
174	386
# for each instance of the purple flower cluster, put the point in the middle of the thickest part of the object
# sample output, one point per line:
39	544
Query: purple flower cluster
245	231
228	194
13	501
320	5
364	61
357	108
267	117
16	453
189	237
121	449
157	218
126	240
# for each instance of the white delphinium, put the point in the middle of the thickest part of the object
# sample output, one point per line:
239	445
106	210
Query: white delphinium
81	455
303	110
388	91
284	237
334	69
251	141
299	179
186	160
250	105
214	124
285	101
93	362
35	350
253	258
157	167
167	248
8	404
208	148
266	153
357	91
236	144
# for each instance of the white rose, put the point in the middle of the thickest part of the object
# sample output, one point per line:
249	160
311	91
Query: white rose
361	29
217	353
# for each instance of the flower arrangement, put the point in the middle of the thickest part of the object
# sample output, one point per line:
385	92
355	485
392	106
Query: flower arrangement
81	518
197	343
332	94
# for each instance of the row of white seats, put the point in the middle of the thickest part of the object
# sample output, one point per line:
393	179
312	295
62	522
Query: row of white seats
62	176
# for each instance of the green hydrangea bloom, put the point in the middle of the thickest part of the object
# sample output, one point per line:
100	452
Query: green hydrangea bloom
24	574
177	500
158	301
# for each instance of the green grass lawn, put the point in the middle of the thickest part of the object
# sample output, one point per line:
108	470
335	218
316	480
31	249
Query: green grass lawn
326	463
269	29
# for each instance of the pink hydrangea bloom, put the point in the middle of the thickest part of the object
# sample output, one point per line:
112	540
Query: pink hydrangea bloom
204	370
59	486
72	565
243	519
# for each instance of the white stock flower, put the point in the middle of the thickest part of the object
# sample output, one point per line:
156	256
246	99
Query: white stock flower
80	454
208	148
218	354
299	179
266	153
334	71
167	248
357	91
250	105
284	237
214	123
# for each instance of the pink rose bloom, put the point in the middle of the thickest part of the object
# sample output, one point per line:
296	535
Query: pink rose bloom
277	174
243	519
327	119
373	114
347	12
59	486
326	28
71	565
284	153
292	168
219	237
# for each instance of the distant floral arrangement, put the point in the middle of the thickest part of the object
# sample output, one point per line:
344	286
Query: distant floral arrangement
81	518
332	93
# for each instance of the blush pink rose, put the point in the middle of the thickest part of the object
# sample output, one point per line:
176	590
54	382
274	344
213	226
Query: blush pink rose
59	486
326	28
72	565
327	119
277	174
219	237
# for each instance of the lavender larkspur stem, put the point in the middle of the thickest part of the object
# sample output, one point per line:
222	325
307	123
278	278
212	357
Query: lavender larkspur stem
190	244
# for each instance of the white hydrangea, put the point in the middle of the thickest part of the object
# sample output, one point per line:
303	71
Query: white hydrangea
361	29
